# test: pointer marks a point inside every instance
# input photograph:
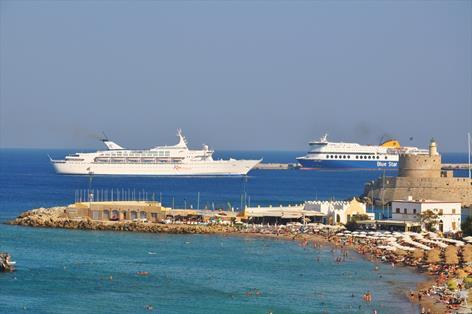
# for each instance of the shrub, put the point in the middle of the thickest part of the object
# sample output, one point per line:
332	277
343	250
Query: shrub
466	226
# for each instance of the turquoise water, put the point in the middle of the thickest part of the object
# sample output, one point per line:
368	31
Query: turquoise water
67	271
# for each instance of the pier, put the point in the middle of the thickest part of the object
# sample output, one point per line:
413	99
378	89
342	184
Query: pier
277	166
455	166
294	166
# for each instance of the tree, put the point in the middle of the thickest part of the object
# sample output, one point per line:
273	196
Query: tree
352	224
467	226
429	220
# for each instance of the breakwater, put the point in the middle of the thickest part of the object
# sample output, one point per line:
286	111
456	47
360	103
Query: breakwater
53	218
294	166
277	166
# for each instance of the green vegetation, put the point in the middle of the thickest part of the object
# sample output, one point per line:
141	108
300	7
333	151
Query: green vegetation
429	220
352	224
467	226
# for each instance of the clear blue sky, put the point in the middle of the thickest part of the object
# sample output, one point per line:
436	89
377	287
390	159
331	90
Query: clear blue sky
234	75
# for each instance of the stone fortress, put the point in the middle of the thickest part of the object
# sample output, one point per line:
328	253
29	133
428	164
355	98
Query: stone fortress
420	177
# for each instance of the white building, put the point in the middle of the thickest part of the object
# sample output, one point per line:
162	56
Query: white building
281	214
338	211
449	213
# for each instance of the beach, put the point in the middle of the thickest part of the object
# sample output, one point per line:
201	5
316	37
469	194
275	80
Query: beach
312	237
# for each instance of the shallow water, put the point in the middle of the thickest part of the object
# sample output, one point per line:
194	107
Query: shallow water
69	271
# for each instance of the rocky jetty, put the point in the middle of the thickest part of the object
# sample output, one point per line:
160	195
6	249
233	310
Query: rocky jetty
55	218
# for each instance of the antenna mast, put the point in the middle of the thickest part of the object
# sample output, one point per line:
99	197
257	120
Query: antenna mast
468	145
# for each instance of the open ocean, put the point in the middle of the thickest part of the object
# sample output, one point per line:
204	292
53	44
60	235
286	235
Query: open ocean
68	271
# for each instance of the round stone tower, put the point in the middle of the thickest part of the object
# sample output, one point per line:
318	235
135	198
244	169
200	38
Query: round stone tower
421	165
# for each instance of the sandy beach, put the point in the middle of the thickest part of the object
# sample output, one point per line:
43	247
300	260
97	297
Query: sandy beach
309	238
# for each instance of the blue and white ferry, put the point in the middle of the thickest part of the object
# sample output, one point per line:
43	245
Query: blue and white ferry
338	155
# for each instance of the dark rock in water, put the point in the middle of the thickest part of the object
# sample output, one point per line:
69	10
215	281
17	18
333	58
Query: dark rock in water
6	264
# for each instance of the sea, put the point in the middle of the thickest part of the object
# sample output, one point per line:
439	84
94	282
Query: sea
75	271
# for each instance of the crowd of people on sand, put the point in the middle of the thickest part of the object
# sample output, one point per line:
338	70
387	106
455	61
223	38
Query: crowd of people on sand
449	261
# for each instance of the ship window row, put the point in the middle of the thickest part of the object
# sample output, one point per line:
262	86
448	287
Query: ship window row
349	157
156	154
137	160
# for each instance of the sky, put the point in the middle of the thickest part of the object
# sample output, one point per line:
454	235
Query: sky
265	75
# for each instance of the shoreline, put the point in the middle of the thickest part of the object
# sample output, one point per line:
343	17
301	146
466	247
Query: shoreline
50	218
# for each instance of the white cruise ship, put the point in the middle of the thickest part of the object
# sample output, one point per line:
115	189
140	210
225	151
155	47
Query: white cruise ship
338	155
177	160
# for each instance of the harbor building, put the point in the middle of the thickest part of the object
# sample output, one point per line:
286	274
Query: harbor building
406	216
448	213
326	212
336	212
118	211
421	177
143	211
280	214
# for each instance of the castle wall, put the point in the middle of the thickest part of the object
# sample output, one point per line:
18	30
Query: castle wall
441	189
420	166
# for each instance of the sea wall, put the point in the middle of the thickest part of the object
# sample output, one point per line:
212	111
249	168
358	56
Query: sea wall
54	218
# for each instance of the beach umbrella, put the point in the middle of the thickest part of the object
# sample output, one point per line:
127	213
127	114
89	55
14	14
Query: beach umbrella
456	242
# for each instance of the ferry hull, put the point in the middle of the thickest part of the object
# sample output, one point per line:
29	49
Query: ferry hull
210	168
346	164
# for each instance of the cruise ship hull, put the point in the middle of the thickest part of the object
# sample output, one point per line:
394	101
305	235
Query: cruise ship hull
346	164
195	168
